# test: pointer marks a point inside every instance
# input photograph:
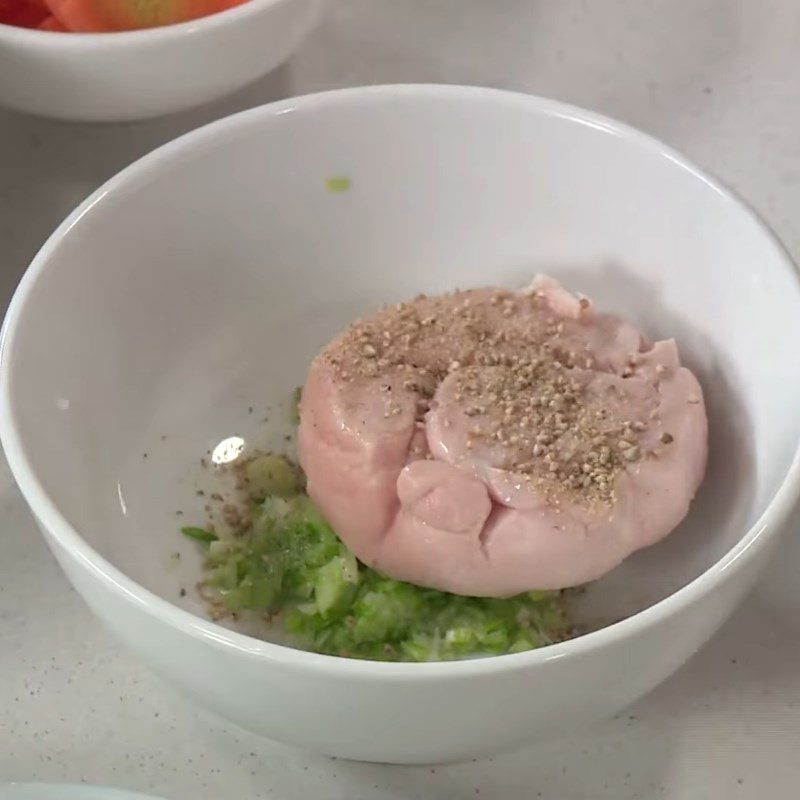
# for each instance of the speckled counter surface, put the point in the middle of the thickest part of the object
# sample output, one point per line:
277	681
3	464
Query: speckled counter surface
717	79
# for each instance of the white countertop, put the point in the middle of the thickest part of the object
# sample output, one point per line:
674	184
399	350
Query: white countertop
718	80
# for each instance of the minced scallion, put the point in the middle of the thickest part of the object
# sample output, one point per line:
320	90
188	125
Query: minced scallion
199	534
290	565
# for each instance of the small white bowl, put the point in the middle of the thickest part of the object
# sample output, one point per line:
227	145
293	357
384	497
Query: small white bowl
114	77
51	791
201	280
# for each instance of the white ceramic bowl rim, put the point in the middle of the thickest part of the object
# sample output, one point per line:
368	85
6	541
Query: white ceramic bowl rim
767	525
52	791
140	35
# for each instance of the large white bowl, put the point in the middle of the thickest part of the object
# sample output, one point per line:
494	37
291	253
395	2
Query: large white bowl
112	77
200	281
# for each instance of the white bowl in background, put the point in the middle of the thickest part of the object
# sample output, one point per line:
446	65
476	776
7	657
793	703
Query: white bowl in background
197	284
51	791
113	77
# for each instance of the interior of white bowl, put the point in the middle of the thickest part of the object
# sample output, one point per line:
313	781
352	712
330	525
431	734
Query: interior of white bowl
182	305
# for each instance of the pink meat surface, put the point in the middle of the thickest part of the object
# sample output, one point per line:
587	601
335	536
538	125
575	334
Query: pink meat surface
488	442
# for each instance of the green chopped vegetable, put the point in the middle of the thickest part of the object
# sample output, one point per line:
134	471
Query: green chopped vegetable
199	534
291	563
271	475
338	183
335	585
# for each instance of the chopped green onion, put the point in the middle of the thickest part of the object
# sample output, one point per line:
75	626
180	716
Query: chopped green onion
291	563
271	475
199	534
338	183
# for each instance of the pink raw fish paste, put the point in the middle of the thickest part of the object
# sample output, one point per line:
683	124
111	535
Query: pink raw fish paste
489	442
